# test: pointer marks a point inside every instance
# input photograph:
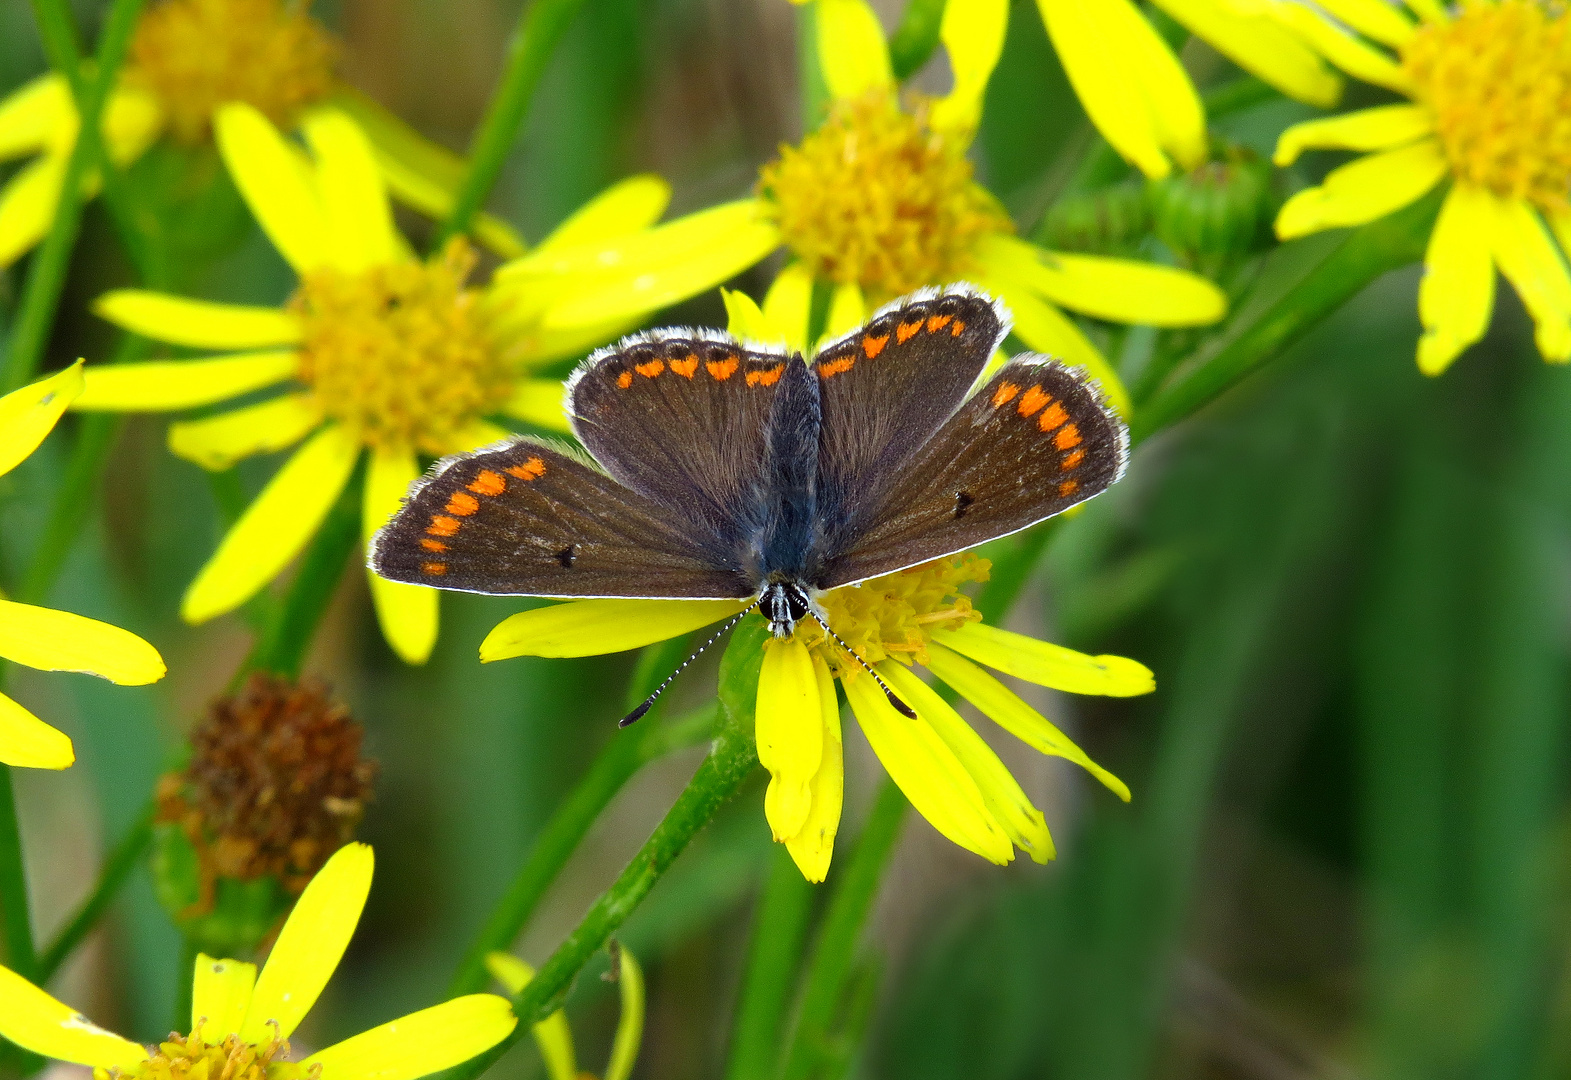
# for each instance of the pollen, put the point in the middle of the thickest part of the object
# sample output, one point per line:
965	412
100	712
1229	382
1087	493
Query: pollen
195	55
190	1057
1497	79
895	615
399	353
877	197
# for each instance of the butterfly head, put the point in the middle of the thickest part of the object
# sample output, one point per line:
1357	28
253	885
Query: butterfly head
784	603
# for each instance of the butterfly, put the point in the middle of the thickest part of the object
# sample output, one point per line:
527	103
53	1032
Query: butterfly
724	470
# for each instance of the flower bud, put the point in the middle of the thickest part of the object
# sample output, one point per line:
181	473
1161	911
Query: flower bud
1216	214
1111	221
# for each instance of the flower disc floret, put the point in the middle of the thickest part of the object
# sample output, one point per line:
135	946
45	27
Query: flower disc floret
876	197
399	353
1497	79
195	55
190	1057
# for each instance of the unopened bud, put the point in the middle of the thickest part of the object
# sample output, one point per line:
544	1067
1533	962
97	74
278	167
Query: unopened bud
1216	214
1112	221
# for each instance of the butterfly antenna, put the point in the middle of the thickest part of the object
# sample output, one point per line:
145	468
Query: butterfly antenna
638	713
894	699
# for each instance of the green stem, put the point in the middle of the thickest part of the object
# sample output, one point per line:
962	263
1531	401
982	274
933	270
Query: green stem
116	869
1368	252
772	962
629	751
46	275
540	28
913	42
15	918
184	980
835	951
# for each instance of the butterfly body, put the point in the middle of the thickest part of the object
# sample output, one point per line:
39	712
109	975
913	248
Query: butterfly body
722	470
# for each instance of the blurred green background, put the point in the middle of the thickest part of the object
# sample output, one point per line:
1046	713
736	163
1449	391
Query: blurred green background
1348	850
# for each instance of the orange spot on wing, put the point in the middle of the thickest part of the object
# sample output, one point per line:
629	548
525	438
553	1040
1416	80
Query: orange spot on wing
872	346
1067	436
767	377
462	503
432	545
685	367
625	379
957	329
938	322
435	568
1073	460
835	367
488	483
1004	394
905	330
651	369
442	525
722	369
533	469
1068	488
1052	416
1032	401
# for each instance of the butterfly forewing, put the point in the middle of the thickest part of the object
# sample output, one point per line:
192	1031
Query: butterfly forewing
1036	440
885	390
526	518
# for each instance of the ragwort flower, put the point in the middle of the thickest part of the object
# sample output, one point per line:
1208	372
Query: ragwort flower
187	59
1490	113
391	358
555	1038
917	616
43	638
880	201
241	1021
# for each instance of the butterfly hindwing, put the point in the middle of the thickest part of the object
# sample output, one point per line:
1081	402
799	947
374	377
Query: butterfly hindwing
525	518
1036	440
885	390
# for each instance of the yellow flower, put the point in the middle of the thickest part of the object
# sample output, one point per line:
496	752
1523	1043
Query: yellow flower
241	1021
555	1038
880	201
1490	92
1137	93
914	616
43	638
188	58
389	355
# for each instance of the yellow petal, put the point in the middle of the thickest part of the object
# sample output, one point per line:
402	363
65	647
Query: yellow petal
1341	48
847	310
1431	11
407	613
198	323
422	175
28	415
541	402
625	207
277	185
274	527
34	115
310	945
1001	792
35	1021
1457	294
1000	705
133	119
421	1043
744	318
220	996
219	441
50	640
1528	259
788	305
595	627
788	725
552	1034
1381	128
353	197
973	36
1363	190
28	741
1047	330
167	385
1375	19
814	844
524	342
27	205
477	435
1048	665
630	1026
851	48
927	771
1261	47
